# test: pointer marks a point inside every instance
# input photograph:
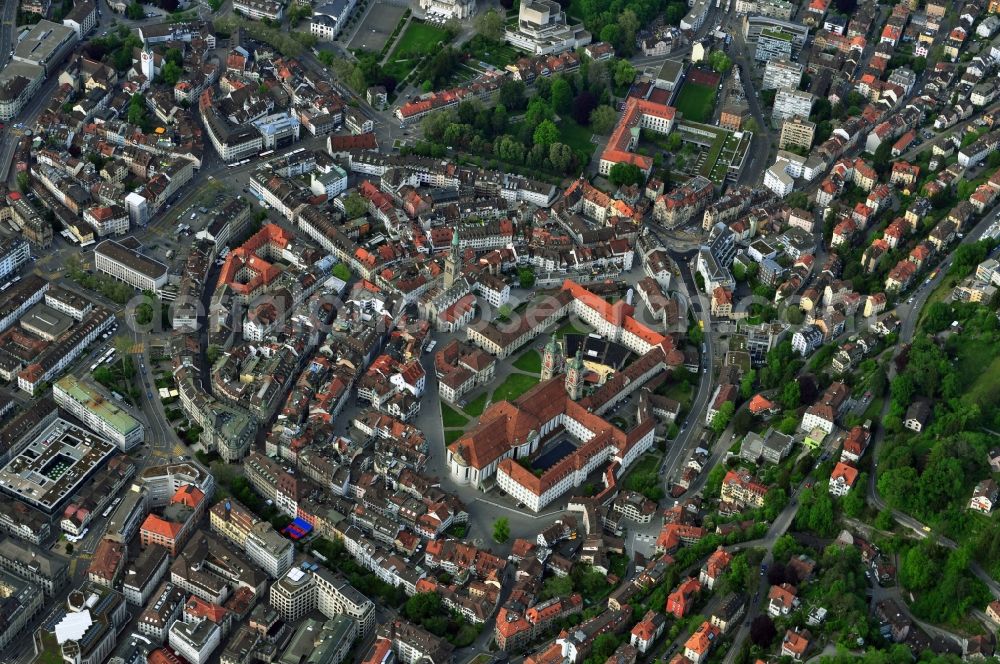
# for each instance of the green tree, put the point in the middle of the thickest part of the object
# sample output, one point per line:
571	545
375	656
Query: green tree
23	182
212	353
561	156
747	384
713	483
611	33
629	23
546	133
511	95
501	530
562	96
171	73
137	110
791	395
626	174
355	206
341	271
135	12
917	571
526	277
774	501
174	55
490	25
883	156
720	62
422	606
603	119
556	586
742	421
854	502
722	417
624	73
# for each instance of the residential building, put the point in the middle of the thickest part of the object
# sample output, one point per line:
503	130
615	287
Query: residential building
789	103
796	132
413	644
647	630
82	18
164	607
781	73
329	18
14	252
984	496
700	644
842	478
807	339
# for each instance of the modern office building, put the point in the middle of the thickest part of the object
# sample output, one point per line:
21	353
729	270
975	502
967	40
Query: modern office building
321	642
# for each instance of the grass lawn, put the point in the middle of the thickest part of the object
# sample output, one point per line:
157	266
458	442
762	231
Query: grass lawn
419	39
568	328
498	54
979	363
452	418
529	361
680	392
514	386
451	436
696	102
942	291
476	407
576	136
50	653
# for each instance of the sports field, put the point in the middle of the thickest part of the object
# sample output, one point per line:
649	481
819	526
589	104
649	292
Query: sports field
696	102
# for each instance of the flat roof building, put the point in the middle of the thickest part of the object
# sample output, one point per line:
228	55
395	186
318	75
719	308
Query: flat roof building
326	642
53	466
45	45
128	265
45	322
91	405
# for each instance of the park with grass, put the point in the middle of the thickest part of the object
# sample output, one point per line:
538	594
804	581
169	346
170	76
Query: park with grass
525	374
417	41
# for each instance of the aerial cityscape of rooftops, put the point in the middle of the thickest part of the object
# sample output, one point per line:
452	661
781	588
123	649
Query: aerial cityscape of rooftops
499	331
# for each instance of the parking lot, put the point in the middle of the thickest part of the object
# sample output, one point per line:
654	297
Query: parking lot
377	26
